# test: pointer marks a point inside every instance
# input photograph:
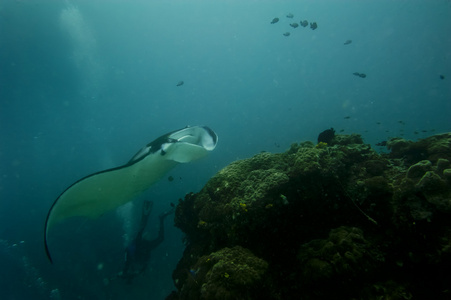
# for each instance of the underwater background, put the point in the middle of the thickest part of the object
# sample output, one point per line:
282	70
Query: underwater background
85	84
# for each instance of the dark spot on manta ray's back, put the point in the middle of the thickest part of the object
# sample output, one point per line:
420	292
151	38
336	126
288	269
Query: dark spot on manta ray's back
286	34
313	25
326	136
180	83
304	23
170	178
347	42
290	16
294	25
275	20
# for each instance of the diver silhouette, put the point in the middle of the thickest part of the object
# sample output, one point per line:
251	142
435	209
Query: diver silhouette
137	254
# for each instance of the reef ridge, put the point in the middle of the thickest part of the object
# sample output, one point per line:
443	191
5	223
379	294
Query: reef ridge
340	215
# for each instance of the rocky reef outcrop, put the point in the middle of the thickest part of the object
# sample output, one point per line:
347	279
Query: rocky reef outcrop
324	221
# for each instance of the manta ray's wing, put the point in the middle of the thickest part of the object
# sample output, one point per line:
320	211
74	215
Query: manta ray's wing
103	191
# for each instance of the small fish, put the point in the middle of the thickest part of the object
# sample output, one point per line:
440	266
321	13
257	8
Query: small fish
378	123
170	178
304	23
442	77
347	117
275	20
286	34
192	274
382	144
361	75
294	25
313	25
401	122
180	83
290	16
347	42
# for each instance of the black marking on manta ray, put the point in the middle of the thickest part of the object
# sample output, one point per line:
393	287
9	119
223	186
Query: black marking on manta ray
153	146
212	134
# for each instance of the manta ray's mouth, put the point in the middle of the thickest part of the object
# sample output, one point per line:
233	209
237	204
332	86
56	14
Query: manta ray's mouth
103	191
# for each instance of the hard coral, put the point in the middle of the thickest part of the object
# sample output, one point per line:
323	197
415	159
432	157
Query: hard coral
398	146
345	254
436	191
344	139
230	273
431	148
417	170
281	206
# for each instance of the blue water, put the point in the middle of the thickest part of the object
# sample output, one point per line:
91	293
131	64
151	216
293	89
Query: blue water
85	84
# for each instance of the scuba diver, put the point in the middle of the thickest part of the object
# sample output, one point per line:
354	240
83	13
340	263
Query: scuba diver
137	254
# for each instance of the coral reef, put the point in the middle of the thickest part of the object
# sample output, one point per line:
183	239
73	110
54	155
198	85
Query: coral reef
342	259
224	275
338	215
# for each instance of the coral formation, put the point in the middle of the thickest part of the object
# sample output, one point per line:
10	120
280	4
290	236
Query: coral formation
225	274
343	258
339	214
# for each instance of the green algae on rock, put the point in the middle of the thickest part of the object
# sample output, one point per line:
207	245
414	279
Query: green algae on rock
338	214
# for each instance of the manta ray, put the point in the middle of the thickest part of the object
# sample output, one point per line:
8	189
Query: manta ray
95	194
